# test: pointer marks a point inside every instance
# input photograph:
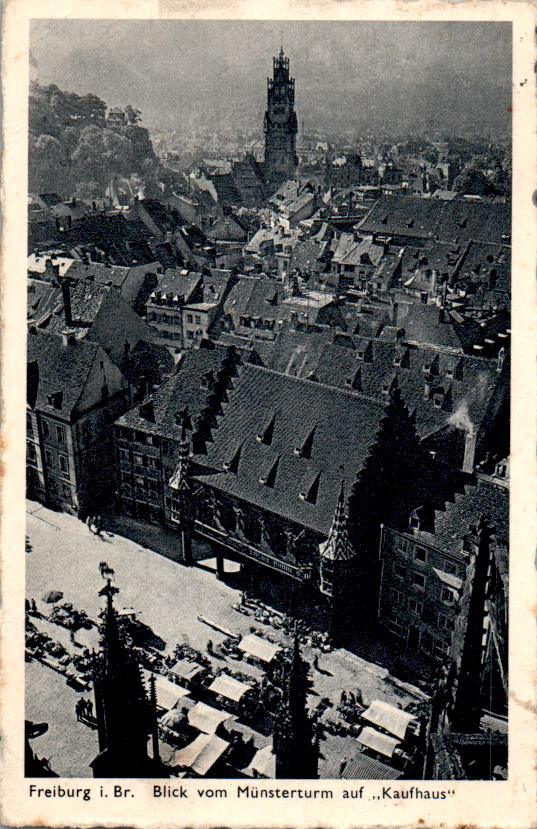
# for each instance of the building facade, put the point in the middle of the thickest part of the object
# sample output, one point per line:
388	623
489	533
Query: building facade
75	392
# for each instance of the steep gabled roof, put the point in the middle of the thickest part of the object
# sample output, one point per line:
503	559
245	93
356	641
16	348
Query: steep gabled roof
345	429
55	368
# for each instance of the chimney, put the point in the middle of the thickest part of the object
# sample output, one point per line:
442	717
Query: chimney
68	337
501	360
66	294
427	388
470	442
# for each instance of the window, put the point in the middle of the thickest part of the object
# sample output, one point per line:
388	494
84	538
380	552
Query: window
190	335
66	490
398	598
402	544
445	622
419	580
198	319
30	452
189	318
86	432
396	627
138	460
64	466
45	428
450	567
48	458
448	595
124	455
60	434
420	554
415	607
29	424
399	570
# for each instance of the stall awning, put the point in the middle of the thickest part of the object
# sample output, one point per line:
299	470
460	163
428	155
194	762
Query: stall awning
227	686
372	738
206	718
168	693
201	754
389	717
263	762
260	648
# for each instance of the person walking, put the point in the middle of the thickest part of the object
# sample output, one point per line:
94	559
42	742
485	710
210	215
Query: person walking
78	710
89	709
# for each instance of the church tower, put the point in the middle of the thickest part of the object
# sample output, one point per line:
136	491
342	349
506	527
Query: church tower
280	126
295	739
124	714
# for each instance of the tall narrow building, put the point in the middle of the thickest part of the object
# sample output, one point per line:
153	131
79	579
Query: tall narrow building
280	126
295	740
123	710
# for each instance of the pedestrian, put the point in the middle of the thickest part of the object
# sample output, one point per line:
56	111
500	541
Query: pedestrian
89	709
27	605
99	524
78	710
89	522
34	606
316	662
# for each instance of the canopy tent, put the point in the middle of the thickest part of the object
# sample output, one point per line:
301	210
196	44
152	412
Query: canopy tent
226	686
187	670
263	762
389	717
257	646
168	693
372	738
201	754
206	718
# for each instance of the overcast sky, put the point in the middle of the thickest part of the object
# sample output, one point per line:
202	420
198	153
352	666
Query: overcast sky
451	77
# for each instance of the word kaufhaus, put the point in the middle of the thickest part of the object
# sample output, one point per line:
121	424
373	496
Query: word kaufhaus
60	791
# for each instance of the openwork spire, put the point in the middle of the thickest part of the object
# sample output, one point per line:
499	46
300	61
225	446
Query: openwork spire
337	547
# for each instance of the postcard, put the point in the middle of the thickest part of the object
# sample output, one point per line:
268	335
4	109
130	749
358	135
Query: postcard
268	413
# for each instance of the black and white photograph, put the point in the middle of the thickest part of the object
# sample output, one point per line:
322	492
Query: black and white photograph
268	402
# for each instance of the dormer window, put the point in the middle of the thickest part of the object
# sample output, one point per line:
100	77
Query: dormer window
311	490
269	479
265	436
55	400
304	451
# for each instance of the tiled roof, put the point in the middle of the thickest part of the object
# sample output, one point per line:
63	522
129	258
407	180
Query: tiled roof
271	416
55	368
103	274
423	324
466	382
436	218
349	251
452	523
177	282
87	298
184	389
42	299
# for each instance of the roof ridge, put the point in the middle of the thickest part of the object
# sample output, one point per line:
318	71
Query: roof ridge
316	383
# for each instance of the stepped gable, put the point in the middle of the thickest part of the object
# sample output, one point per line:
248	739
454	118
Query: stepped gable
452	522
186	389
272	415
